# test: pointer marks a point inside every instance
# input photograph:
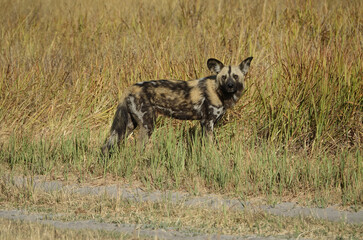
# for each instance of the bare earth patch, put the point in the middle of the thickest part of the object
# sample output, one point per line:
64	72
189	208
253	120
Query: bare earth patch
135	230
127	192
132	194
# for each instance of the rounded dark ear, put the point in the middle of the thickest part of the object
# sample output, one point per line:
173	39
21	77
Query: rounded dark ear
214	65
245	65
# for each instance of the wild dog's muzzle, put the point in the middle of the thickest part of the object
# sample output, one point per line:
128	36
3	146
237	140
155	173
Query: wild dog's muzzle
230	86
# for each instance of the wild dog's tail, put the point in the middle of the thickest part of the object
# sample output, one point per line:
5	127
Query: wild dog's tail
118	128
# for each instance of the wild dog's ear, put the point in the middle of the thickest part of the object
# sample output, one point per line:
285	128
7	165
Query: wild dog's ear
214	65
245	65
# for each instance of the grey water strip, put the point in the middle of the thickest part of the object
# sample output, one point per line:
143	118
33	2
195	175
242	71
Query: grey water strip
131	229
285	209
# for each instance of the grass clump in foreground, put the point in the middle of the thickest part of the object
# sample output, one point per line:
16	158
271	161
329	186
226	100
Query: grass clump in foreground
179	159
297	130
166	215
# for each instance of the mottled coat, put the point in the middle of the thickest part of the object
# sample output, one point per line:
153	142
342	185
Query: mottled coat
204	99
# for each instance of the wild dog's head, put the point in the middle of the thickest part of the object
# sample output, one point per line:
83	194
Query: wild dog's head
230	78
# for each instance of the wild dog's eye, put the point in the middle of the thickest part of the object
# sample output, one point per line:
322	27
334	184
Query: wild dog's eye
224	77
235	76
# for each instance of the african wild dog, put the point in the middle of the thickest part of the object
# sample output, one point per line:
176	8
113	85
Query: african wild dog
204	99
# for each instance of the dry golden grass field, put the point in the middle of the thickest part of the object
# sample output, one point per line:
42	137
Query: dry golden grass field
296	134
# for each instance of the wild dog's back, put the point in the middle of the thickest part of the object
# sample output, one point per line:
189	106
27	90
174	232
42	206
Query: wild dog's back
178	99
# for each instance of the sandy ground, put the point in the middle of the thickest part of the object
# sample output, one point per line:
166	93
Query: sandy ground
127	192
131	229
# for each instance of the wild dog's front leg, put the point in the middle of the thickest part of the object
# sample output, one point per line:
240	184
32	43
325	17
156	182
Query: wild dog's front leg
214	113
207	128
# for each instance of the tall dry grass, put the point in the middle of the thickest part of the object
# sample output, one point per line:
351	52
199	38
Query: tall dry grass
64	64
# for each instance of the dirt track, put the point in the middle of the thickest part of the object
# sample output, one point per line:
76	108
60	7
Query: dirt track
132	229
136	194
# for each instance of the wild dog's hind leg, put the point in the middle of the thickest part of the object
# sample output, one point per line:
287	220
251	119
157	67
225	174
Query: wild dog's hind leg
131	125
122	126
144	117
147	128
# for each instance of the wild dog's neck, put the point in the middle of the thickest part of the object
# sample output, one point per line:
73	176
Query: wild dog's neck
229	99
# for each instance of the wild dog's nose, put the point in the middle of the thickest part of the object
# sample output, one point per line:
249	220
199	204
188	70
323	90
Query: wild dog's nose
230	84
